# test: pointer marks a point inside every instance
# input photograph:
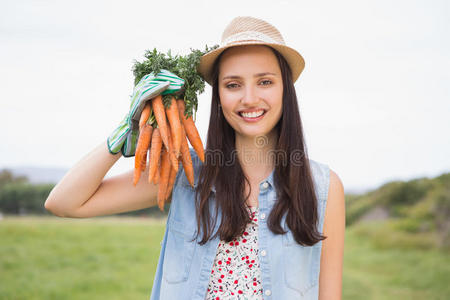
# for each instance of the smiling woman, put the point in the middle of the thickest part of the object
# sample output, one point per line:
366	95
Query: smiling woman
269	220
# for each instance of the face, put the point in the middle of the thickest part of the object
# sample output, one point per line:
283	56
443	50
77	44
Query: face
250	81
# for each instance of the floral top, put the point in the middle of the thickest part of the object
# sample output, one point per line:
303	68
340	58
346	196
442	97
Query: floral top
236	273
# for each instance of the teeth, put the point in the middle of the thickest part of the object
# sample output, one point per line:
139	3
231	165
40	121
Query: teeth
252	114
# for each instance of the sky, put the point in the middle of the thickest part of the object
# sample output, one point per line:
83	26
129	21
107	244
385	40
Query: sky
374	96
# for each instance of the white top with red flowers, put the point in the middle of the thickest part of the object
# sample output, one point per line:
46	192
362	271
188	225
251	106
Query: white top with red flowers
236	273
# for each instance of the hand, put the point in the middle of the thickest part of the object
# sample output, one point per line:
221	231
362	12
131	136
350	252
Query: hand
124	137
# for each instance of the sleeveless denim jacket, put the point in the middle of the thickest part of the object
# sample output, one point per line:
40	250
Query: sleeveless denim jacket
288	270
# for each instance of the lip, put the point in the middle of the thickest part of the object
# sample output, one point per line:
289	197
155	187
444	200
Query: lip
251	120
251	110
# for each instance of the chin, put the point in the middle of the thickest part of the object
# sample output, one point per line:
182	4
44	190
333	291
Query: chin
252	133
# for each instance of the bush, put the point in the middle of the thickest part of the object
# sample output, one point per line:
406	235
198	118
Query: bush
23	198
358	207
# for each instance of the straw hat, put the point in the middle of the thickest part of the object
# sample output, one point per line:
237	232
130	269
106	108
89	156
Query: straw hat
251	31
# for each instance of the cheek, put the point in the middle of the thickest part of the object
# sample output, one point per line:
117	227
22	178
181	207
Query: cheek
228	100
278	110
274	95
280	113
276	100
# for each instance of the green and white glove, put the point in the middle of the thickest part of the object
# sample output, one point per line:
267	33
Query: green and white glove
124	137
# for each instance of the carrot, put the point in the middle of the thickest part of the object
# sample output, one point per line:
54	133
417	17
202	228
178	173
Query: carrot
164	179
169	199
170	187
172	177
141	150
144	161
145	114
175	125
157	173
186	159
155	153
191	131
172	157
160	116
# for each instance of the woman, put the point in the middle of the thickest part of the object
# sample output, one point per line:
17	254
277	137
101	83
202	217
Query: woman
263	220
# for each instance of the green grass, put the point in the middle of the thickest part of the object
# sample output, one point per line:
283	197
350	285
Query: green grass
378	270
115	258
100	258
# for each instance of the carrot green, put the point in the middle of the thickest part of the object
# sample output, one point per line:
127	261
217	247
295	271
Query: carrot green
182	66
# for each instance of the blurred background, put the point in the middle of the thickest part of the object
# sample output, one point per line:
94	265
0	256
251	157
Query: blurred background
374	100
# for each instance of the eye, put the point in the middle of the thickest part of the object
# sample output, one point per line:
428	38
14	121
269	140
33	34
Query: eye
232	85
266	82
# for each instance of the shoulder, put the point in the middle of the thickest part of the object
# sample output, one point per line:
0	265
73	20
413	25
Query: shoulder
326	179
321	176
330	190
335	209
336	186
328	183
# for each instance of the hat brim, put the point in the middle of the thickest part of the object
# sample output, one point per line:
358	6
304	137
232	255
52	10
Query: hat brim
293	58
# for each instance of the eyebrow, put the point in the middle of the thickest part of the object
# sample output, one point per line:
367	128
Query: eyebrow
256	75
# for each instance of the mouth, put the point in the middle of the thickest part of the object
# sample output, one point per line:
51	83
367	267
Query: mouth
254	115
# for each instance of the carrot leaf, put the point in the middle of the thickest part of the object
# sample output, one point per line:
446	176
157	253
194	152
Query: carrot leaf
184	67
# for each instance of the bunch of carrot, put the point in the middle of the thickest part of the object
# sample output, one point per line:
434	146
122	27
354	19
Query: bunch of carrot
169	126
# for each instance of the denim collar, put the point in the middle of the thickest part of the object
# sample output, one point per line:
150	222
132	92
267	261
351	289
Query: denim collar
269	179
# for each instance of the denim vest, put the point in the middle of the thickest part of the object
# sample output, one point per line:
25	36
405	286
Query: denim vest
288	270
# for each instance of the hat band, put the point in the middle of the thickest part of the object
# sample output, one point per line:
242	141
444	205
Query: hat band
249	36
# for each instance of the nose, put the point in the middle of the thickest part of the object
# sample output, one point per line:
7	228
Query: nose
250	96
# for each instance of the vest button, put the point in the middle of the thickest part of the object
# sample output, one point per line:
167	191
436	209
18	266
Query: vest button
268	292
262	216
265	185
263	253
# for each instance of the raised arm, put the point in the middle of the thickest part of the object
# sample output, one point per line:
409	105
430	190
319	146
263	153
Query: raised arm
83	192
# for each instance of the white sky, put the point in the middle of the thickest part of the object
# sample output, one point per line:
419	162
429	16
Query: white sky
374	95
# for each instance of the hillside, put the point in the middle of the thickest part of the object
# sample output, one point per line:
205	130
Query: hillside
414	213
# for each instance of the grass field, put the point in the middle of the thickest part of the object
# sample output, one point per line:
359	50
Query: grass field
115	258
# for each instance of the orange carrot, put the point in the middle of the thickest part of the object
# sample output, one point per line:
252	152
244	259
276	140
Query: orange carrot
191	131
175	125
144	160
172	177
146	153
164	179
145	114
142	121
170	187
160	116
141	150
186	158
157	173
172	157
155	153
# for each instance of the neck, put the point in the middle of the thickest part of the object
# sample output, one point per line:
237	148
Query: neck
256	154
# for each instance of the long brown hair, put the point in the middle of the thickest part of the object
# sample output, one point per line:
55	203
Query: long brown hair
294	186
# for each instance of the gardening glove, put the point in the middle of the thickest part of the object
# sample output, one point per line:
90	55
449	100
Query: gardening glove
124	137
